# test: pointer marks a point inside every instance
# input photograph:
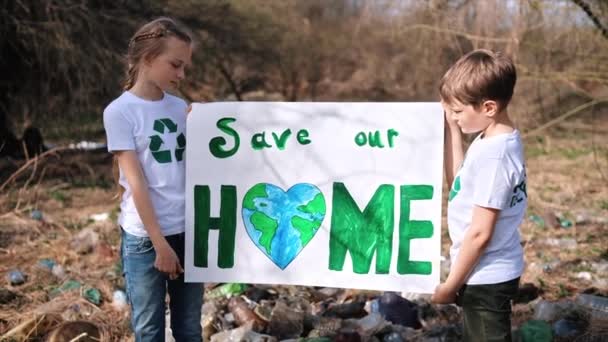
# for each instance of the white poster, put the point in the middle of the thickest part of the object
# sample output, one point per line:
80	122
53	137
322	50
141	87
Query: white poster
321	194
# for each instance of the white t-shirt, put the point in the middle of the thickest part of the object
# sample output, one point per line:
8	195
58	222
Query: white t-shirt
156	131
493	175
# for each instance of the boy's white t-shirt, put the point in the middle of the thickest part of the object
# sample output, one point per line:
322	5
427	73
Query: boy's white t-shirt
156	131
493	175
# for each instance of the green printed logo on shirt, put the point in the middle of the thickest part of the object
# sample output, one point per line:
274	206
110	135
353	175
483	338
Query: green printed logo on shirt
156	141
455	189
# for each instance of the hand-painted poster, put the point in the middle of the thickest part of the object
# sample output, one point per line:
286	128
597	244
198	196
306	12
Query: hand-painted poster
322	194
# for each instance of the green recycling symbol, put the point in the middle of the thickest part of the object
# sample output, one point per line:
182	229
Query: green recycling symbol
156	141
455	189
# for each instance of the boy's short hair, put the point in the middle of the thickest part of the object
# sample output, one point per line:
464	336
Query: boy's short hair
479	76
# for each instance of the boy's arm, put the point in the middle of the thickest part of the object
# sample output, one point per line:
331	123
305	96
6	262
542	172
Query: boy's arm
453	152
475	241
166	259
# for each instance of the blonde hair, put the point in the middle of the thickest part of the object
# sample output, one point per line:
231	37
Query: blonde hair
149	42
146	44
479	76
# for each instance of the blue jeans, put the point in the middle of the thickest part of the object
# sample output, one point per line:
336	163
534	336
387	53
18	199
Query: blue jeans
147	288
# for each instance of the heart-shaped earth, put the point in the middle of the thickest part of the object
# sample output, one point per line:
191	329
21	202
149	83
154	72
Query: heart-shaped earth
282	223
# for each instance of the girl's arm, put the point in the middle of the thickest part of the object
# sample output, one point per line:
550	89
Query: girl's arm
453	152
166	259
475	241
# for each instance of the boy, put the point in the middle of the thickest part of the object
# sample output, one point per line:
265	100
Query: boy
488	198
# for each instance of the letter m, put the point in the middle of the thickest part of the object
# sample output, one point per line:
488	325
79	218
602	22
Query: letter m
362	233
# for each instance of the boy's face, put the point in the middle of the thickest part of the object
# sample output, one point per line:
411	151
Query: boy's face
469	118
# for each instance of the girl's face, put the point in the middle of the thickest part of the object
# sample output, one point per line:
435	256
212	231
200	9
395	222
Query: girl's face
168	69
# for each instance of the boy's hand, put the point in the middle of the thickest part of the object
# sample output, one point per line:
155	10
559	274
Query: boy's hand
443	295
450	120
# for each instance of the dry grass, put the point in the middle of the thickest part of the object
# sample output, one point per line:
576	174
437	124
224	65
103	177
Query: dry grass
565	171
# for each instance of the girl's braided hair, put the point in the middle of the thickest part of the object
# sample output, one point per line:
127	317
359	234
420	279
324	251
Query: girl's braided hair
149	42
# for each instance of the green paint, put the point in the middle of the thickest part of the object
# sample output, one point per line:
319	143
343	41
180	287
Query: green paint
375	140
258	191
267	226
216	144
226	224
317	205
362	234
280	141
170	125
162	157
179	151
155	142
360	139
159	126
455	189
410	229
302	137
520	193
306	228
258	141
181	140
391	135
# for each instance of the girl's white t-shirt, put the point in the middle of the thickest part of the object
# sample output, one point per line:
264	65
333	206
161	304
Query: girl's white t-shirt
156	131
493	175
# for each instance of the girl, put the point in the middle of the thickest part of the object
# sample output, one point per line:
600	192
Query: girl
145	128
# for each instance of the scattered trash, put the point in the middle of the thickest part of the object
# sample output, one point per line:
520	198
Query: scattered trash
68	285
565	223
550	311
346	310
93	295
100	217
285	322
16	277
370	325
46	264
243	314
36	215
85	241
243	333
7	296
565	328
551	266
58	271
584	275
226	290
598	305
537	220
82	331
397	310
119	300
536	331
87	145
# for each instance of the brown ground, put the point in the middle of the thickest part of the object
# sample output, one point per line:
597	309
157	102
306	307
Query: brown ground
567	177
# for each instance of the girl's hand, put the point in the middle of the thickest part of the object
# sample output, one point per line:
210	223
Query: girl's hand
167	261
443	295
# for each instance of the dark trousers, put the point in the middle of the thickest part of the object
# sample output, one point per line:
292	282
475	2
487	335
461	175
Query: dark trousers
487	310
